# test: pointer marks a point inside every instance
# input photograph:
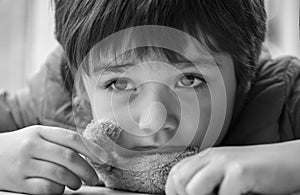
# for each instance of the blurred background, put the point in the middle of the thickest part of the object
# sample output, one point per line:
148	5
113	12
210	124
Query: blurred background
27	36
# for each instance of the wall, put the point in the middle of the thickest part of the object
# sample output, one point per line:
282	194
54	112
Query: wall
26	38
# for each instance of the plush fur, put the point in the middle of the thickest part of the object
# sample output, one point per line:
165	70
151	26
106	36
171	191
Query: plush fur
146	173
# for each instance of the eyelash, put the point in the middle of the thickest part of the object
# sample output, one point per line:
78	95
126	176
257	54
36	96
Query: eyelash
203	84
109	83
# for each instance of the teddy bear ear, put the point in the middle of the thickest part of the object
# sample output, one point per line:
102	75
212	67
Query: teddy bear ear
101	130
110	128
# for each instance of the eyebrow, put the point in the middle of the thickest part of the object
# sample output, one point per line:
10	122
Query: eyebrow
181	64
118	68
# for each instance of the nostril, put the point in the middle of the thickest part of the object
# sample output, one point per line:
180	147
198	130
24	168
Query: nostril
169	129
171	124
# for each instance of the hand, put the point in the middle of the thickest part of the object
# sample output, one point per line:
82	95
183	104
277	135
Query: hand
263	169
43	160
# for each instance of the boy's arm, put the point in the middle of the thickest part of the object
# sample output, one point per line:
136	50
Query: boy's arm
260	169
23	107
17	110
294	101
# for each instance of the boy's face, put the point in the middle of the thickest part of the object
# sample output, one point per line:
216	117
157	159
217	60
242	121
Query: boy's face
164	105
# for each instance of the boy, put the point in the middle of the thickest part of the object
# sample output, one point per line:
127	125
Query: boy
157	98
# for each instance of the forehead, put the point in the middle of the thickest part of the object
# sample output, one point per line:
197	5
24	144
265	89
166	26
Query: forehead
150	41
188	51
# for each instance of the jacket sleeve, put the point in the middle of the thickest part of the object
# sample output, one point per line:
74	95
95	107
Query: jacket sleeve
294	98
23	107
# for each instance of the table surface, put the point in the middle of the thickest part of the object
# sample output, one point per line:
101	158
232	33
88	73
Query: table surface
88	190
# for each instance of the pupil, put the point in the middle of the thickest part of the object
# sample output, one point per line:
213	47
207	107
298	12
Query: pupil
121	84
188	80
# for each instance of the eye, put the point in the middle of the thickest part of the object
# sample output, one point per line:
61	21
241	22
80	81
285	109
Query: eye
191	81
119	85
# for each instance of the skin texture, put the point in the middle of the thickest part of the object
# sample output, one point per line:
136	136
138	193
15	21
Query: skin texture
154	108
263	169
43	160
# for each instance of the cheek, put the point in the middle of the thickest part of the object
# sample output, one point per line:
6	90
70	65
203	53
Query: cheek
105	106
230	88
111	106
99	100
196	126
101	108
195	117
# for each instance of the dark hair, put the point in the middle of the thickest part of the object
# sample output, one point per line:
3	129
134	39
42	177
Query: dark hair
237	26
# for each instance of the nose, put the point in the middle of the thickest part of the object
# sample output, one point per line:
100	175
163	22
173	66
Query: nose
158	110
153	117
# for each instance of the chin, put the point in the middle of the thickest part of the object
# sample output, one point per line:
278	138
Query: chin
145	172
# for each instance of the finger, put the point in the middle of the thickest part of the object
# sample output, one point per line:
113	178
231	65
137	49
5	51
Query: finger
75	141
178	165
232	183
206	180
228	187
185	172
169	187
69	159
53	172
202	155
43	186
